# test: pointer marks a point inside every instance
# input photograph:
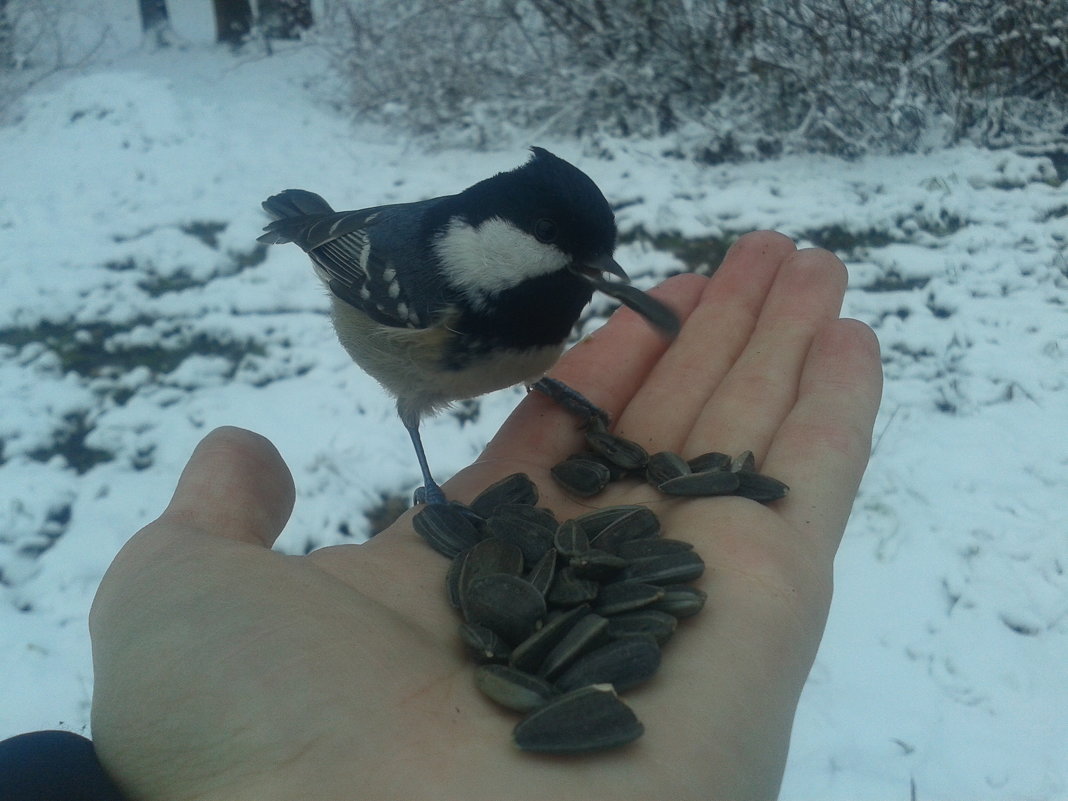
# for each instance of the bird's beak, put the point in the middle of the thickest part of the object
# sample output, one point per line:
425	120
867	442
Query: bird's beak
607	264
656	313
593	269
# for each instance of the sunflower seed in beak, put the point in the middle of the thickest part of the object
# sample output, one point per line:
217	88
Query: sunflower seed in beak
656	313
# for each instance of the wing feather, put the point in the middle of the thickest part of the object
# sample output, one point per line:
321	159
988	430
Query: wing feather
377	268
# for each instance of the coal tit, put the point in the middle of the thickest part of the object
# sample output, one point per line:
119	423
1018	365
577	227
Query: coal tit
460	295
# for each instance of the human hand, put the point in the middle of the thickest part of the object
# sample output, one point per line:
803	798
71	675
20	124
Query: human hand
225	670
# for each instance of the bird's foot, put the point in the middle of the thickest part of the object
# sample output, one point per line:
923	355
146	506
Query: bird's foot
430	493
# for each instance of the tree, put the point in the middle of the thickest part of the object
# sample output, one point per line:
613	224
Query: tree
233	21
284	19
7	38
730	79
155	21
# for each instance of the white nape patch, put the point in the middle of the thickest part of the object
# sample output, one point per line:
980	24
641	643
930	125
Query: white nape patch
493	257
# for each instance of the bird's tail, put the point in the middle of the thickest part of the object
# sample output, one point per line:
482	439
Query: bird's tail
294	210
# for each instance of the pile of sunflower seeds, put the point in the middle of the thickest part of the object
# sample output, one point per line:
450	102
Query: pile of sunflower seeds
611	458
563	616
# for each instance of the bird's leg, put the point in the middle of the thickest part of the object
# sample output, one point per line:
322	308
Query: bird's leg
573	401
430	492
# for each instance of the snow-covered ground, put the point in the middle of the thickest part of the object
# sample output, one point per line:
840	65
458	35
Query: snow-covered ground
137	312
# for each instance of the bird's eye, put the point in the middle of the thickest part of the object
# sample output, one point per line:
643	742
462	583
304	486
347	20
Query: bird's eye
545	230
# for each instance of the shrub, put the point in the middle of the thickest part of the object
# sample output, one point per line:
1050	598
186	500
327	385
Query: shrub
727	79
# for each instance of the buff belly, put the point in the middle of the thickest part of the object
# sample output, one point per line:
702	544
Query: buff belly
407	363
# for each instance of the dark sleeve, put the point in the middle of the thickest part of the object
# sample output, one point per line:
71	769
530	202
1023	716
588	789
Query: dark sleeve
53	766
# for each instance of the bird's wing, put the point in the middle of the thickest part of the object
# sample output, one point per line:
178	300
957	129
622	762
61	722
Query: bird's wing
375	261
371	258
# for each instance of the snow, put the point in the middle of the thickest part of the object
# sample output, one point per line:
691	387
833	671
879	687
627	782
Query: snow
129	208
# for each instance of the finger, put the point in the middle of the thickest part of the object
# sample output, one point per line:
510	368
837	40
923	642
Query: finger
611	364
824	443
670	401
760	388
235	486
607	367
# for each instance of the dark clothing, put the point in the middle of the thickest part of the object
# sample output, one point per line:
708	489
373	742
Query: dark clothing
53	766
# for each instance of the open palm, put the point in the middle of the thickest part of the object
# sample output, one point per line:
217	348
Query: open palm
226	670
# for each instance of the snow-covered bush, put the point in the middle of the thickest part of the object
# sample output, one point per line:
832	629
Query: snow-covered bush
39	38
728	79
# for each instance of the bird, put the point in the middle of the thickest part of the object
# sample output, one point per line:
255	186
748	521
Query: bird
456	296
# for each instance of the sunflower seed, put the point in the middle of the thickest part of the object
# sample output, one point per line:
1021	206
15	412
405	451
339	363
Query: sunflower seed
596	564
590	719
507	605
656	313
600	594
581	477
485	645
650	622
743	461
531	654
615	471
593	523
671	568
758	487
529	515
618	450
658	546
681	600
665	465
514	489
452	579
570	539
623	663
626	596
513	688
531	530
640	523
569	589
446	528
585	634
485	558
710	482
543	572
713	460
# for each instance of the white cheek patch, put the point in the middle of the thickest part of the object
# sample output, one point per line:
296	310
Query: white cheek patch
494	256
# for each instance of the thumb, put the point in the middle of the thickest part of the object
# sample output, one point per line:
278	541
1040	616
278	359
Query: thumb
235	486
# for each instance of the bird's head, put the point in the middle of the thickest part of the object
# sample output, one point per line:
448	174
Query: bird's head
545	217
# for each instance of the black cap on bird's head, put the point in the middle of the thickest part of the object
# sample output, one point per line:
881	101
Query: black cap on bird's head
568	224
589	235
573	210
556	203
